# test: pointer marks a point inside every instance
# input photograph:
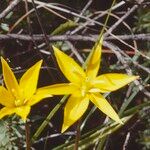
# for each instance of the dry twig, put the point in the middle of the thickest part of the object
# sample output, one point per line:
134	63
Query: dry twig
10	7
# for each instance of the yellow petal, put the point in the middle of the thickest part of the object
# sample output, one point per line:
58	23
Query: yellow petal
58	89
10	80
39	95
74	109
28	82
104	106
72	71
23	112
6	99
94	61
6	111
112	81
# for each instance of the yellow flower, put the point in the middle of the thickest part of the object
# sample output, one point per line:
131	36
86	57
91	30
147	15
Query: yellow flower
19	97
85	86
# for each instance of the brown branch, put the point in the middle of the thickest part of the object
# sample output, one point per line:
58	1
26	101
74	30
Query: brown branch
128	13
121	58
92	38
143	37
27	132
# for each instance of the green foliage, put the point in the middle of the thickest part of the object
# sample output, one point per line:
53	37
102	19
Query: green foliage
143	20
143	23
128	101
11	134
4	27
64	27
145	135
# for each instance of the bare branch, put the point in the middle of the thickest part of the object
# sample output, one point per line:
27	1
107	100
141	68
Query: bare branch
9	8
91	37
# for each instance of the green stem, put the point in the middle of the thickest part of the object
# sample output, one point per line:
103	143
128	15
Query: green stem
129	100
51	114
47	120
93	136
27	132
100	35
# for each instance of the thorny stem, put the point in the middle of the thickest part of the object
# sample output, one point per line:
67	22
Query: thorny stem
27	132
77	135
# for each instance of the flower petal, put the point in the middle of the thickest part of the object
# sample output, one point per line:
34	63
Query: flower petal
74	109
23	111
58	89
39	95
104	106
112	81
72	71
6	111
94	61
6	99
28	82
10	80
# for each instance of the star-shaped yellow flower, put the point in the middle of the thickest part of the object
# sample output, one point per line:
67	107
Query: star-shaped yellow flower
85	86
19	97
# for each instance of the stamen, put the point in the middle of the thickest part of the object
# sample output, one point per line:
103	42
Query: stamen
15	94
83	90
94	90
18	102
25	101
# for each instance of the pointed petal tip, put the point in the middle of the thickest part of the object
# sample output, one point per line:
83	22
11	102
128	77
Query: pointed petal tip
134	78
2	60
40	62
137	77
56	50
64	128
53	47
120	122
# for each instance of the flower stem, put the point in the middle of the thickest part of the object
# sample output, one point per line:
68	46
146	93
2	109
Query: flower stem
47	120
77	135
27	132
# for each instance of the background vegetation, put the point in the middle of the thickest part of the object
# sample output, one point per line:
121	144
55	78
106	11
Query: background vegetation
28	28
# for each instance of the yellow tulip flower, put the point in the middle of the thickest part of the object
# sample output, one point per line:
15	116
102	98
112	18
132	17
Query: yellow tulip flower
19	97
85	85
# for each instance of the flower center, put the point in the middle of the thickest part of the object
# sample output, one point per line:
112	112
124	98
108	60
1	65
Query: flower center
85	87
19	97
20	102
